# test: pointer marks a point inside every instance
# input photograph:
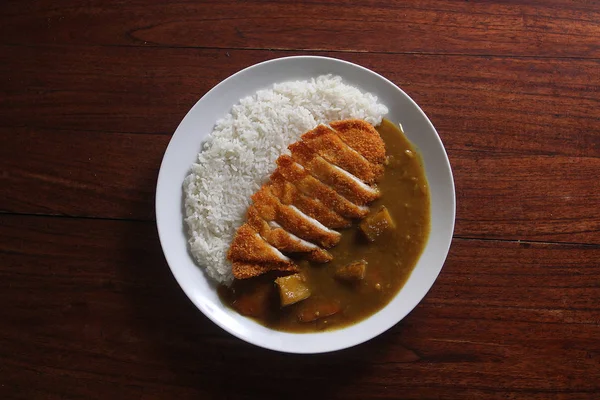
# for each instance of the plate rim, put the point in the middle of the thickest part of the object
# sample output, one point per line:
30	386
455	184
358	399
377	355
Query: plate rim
276	345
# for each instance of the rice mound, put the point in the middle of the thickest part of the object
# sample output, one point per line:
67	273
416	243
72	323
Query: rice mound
239	156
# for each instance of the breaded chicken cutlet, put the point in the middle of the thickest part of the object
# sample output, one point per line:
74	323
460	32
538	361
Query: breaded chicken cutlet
327	182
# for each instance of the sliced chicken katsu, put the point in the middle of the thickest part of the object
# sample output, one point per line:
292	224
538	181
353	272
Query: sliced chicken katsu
322	186
338	179
293	220
362	137
289	194
284	241
326	142
252	256
249	246
311	186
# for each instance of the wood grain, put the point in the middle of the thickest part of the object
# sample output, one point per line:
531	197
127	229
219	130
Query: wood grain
92	299
91	93
546	105
75	173
559	28
95	174
524	144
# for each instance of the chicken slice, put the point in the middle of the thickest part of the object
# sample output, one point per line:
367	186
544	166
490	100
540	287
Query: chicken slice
245	270
276	236
326	142
295	212
319	255
308	250
341	181
252	256
284	241
288	194
249	246
292	220
362	137
311	186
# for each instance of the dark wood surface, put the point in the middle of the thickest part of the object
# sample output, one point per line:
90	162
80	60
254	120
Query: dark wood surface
90	94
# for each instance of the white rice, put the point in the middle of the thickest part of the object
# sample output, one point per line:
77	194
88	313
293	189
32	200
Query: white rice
239	156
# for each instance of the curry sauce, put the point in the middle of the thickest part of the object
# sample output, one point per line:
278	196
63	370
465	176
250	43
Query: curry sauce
389	258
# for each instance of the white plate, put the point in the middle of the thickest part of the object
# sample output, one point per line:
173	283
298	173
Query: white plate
199	122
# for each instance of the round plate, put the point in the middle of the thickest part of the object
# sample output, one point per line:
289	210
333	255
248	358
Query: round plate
182	152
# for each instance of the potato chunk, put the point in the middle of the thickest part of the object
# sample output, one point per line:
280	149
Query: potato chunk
292	289
375	225
319	309
254	302
352	272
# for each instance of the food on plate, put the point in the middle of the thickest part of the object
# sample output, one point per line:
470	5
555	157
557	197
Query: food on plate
253	253
375	225
254	302
292	289
365	269
239	156
352	272
310	312
307	207
337	190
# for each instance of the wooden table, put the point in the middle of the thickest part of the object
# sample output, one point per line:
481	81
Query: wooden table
91	93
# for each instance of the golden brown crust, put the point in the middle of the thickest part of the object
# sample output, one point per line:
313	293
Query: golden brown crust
289	194
319	256
248	246
311	186
330	197
334	177
243	270
285	191
332	148
292	222
280	238
261	226
362	137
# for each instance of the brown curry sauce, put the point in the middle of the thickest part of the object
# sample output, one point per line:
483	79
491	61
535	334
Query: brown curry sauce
391	258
